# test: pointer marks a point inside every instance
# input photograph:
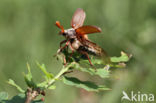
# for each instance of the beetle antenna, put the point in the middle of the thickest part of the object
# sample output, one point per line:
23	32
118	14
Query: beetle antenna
59	26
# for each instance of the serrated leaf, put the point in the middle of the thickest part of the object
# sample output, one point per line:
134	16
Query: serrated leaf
123	58
28	78
3	96
102	72
43	69
87	85
11	82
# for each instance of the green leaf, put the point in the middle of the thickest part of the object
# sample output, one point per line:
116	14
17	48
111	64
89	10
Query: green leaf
28	78
20	98
3	96
11	82
42	85
29	81
123	58
52	87
43	68
102	72
87	85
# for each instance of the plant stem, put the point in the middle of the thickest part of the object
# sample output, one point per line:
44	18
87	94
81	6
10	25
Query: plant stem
63	70
31	95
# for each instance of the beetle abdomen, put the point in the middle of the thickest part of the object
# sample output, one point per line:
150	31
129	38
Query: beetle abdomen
88	50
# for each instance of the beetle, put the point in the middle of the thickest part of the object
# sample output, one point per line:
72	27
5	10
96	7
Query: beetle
76	37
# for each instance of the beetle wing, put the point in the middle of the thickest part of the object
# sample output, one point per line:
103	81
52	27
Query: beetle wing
95	49
87	30
78	18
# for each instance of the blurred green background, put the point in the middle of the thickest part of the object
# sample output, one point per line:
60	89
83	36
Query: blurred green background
28	33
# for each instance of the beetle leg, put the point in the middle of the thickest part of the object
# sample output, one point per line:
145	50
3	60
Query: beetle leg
67	43
62	42
61	48
64	60
85	53
72	49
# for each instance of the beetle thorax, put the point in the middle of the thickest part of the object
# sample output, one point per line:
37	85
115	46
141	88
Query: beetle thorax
70	33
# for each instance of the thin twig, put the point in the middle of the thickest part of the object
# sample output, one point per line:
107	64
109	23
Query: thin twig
63	70
31	95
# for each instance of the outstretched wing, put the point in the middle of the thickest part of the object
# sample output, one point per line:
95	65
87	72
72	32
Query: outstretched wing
78	18
88	29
